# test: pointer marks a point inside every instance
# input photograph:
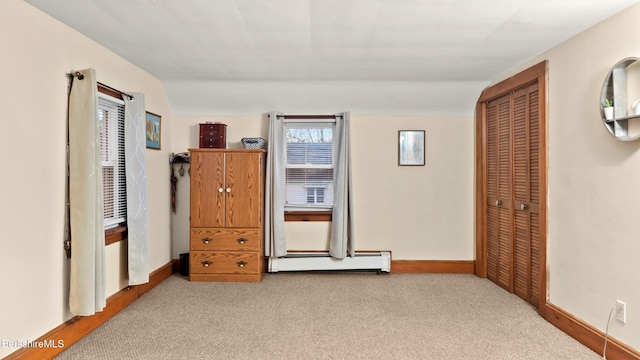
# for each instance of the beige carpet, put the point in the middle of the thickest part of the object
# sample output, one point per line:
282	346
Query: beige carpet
329	316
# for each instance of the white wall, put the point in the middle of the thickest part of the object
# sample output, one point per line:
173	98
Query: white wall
419	213
594	182
37	52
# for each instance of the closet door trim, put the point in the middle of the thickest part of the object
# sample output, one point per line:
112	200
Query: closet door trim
537	73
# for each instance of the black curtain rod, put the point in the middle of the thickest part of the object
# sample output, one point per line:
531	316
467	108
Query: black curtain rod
80	76
116	90
309	117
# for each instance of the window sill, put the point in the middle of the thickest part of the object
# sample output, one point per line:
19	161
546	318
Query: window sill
308	215
115	235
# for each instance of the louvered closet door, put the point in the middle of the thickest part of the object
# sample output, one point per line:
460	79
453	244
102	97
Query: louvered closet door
526	193
499	193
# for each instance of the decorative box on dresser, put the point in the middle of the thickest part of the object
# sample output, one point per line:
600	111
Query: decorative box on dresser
213	136
227	205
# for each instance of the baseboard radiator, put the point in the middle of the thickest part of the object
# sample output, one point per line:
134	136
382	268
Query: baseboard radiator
309	261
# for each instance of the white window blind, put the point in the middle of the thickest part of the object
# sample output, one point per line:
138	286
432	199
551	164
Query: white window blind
111	117
309	165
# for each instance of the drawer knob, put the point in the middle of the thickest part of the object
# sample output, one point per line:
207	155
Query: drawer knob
242	241
206	263
241	264
206	240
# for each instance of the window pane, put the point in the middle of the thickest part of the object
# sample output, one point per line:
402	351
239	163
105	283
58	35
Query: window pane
309	167
111	117
310	146
108	188
319	196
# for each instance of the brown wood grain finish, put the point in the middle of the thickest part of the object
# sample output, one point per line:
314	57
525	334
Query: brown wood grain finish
511	168
109	91
537	73
243	188
480	192
521	174
499	188
526	192
77	327
588	335
207	199
229	262
308	216
432	266
115	235
225	239
226	277
227	211
523	78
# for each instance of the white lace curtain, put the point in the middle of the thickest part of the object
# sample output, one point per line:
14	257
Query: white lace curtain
137	228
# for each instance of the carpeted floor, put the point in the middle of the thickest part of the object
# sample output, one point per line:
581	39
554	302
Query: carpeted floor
330	316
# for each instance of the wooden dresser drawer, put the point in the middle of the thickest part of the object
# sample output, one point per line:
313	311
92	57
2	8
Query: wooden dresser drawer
225	239
214	262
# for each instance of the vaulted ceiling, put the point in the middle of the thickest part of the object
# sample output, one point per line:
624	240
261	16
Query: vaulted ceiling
236	42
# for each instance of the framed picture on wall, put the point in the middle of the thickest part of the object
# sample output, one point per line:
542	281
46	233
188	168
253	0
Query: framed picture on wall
154	131
411	147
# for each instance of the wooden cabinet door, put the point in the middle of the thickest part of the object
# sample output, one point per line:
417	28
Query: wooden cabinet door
243	184
499	193
526	192
207	190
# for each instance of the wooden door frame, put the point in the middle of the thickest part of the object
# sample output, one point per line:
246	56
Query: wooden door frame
537	73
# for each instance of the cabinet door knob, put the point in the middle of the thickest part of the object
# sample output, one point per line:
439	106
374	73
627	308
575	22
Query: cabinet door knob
523	206
228	190
206	240
241	264
498	202
220	190
242	241
206	263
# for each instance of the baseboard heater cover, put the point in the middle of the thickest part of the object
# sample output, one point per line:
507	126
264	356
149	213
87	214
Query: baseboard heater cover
309	261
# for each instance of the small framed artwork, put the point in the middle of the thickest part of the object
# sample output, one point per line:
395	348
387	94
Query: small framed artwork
154	131
411	147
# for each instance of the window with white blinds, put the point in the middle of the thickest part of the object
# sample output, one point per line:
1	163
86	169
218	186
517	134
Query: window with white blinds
309	165
111	117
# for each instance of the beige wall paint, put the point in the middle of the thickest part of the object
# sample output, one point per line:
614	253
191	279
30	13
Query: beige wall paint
419	213
594	181
37	53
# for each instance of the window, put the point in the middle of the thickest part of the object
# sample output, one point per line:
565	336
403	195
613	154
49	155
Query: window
315	195
309	165
111	117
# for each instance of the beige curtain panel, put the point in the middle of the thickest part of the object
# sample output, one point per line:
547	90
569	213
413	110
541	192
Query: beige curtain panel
87	277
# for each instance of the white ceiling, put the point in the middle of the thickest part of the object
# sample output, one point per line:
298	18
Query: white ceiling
242	41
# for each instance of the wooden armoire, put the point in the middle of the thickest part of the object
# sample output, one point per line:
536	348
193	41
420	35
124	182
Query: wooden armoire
511	185
226	220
